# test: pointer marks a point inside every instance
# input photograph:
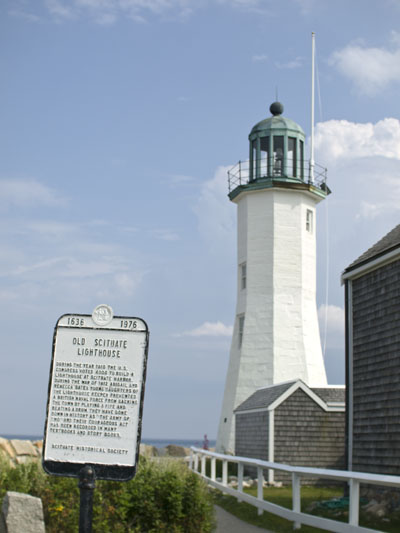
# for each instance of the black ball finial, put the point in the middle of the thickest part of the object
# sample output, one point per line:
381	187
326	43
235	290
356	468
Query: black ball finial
276	108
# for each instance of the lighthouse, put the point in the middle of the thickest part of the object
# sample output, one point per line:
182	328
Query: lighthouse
276	333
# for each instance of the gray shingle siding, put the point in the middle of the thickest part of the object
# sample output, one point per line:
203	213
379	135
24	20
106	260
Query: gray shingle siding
252	437
376	370
307	435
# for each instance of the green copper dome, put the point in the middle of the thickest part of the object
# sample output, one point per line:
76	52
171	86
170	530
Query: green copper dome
276	122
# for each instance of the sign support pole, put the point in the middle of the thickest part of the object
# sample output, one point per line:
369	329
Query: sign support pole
86	486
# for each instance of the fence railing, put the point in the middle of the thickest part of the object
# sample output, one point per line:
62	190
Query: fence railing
239	174
199	458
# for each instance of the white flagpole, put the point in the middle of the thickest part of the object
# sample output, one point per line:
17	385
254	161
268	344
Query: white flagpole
312	109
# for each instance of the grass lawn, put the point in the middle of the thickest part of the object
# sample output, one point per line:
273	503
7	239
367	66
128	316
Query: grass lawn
283	496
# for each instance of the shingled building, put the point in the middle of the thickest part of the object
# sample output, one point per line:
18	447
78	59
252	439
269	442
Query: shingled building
294	424
372	288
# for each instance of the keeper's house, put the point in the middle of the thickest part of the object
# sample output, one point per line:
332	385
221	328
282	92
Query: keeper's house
372	289
293	424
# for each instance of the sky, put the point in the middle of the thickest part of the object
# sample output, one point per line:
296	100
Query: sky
119	121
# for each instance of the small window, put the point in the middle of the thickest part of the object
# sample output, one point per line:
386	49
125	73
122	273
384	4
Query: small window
253	159
309	221
278	155
264	156
243	276
292	157
302	160
241	328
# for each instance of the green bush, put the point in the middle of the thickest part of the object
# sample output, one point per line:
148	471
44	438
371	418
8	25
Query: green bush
165	496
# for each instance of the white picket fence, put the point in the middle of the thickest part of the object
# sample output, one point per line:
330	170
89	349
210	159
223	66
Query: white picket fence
199	457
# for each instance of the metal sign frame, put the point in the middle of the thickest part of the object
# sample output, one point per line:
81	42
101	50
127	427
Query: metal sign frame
107	470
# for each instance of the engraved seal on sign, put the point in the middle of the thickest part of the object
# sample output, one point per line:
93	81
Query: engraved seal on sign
102	315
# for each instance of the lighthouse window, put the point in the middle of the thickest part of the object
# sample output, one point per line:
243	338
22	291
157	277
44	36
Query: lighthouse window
309	221
241	328
302	160
253	156
292	156
264	155
243	273
278	155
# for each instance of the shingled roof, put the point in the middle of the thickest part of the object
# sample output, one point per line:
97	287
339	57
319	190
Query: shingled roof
263	398
331	394
388	243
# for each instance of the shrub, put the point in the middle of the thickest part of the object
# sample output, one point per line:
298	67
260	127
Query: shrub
165	496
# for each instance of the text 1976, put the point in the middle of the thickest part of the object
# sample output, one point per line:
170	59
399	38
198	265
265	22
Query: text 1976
128	324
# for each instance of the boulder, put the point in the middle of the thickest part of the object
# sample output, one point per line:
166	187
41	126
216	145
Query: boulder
6	450
22	513
148	451
172	450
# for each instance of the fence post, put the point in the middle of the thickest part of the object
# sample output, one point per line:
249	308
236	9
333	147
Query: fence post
296	498
354	502
225	472
260	488
203	465
191	460
213	468
240	479
196	462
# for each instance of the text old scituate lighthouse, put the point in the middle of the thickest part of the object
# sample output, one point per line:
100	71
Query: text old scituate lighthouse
276	333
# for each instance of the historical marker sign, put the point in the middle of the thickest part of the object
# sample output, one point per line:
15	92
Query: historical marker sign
96	390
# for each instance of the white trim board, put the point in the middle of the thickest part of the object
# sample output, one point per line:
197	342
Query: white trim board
371	265
328	407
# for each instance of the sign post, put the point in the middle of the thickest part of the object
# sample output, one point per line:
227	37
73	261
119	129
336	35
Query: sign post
95	400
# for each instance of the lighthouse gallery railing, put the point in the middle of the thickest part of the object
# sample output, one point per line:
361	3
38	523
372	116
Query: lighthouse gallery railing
239	174
200	456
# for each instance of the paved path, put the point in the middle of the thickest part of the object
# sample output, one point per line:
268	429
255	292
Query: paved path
228	523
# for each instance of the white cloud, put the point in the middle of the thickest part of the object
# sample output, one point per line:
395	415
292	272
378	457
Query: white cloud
260	58
165	234
370	69
60	8
341	139
248	5
363	163
294	63
22	14
179	179
108	11
335	317
208	329
331	319
27	193
215	213
306	5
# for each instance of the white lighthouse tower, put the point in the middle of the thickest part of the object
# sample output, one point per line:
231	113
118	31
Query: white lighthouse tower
276	334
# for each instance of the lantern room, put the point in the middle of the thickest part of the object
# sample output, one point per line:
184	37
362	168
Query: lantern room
276	147
277	159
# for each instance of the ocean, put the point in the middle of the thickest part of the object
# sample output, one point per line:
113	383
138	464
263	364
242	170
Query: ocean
158	443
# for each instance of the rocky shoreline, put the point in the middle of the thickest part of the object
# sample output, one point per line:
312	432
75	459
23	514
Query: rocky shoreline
18	451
